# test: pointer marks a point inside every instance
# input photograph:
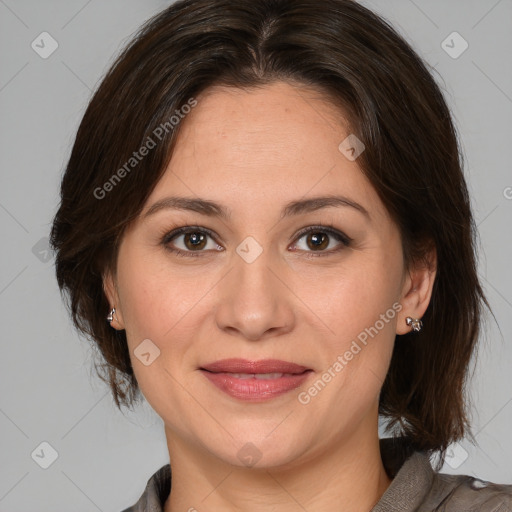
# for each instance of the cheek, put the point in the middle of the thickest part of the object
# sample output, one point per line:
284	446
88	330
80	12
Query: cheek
154	298
153	303
352	296
359	305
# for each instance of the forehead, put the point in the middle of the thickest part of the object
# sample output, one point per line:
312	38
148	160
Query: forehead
278	124
276	143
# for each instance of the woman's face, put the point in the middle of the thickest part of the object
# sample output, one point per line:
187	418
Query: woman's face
251	284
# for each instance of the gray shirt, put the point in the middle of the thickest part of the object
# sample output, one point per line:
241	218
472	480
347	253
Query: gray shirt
415	487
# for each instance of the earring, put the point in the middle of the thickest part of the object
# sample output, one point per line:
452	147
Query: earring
110	316
416	323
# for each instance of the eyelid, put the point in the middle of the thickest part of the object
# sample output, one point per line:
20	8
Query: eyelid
168	235
325	228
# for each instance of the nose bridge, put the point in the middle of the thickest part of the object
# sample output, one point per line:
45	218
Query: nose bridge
254	301
253	274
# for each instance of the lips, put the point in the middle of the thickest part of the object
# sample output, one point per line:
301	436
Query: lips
245	366
255	381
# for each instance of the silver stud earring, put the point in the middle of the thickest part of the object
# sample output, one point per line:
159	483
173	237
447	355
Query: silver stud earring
110	316
416	323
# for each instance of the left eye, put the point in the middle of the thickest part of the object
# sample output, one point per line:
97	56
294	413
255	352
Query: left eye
319	239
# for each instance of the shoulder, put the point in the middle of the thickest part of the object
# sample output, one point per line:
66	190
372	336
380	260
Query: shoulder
156	492
457	493
417	487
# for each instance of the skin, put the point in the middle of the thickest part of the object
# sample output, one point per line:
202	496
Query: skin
254	151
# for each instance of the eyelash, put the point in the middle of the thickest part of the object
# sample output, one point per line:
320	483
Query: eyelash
327	229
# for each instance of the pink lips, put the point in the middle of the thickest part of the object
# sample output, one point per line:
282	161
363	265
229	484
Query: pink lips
255	381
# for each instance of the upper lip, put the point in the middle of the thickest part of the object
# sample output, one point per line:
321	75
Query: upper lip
236	365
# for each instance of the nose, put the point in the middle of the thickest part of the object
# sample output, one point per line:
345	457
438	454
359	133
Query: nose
254	301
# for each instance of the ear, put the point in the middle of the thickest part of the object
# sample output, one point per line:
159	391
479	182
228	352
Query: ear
112	294
417	290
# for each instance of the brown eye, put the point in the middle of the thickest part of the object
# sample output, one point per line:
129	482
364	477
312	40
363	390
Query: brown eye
194	241
321	240
317	241
190	241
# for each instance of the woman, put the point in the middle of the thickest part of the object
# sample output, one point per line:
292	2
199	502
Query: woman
266	203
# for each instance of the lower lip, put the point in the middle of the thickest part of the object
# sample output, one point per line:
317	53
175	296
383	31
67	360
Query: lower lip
256	390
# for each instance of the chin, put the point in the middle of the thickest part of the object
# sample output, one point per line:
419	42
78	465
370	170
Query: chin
259	450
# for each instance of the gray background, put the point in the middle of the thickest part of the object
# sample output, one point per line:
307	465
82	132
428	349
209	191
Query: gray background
49	390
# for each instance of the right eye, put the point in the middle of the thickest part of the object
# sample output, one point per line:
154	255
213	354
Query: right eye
194	241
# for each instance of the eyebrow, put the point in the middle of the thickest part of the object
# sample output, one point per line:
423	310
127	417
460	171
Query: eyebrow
213	209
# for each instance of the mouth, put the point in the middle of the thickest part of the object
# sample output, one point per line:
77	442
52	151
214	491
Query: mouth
259	376
255	381
264	366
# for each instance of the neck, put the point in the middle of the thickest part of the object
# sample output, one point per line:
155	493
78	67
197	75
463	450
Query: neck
351	477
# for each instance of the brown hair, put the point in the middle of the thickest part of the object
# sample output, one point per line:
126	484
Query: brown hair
394	106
